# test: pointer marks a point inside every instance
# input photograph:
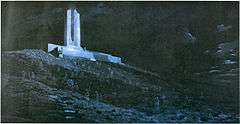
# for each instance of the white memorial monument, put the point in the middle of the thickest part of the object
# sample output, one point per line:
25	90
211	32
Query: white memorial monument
72	42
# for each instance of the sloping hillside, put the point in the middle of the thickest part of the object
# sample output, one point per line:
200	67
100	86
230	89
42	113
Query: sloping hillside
38	87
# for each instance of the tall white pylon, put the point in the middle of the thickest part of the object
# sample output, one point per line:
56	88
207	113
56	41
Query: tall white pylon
72	36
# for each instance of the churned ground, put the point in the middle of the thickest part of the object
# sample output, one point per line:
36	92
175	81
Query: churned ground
38	87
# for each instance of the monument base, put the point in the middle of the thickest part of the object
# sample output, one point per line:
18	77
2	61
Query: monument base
80	52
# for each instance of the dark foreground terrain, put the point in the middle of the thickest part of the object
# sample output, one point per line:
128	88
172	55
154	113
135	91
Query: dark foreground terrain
38	87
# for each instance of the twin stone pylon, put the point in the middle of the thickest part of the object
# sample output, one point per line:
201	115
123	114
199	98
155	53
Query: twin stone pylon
72	42
72	34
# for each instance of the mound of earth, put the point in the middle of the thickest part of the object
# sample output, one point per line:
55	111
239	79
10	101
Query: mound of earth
38	87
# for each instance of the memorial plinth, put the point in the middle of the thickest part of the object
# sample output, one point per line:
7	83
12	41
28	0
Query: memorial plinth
72	42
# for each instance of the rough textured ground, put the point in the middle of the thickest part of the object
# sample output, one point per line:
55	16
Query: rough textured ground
38	87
